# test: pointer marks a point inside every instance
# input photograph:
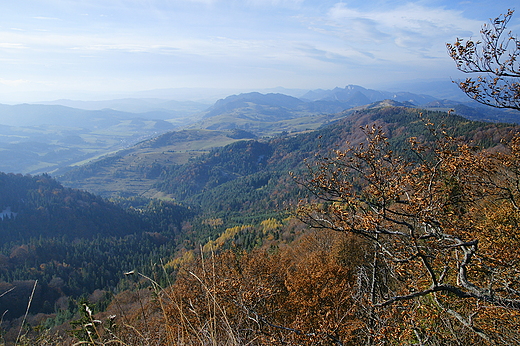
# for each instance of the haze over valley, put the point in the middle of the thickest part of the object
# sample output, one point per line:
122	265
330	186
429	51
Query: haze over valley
56	136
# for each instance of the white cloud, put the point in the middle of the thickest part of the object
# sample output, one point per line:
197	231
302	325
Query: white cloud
207	2
412	27
13	83
11	45
276	3
45	18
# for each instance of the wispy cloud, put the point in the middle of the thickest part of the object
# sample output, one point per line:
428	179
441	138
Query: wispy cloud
412	27
8	45
276	3
46	18
14	83
160	43
346	56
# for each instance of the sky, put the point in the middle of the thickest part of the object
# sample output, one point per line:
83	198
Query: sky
97	49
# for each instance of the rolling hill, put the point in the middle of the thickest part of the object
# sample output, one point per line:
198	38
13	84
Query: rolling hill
73	242
134	171
271	114
45	138
229	189
183	164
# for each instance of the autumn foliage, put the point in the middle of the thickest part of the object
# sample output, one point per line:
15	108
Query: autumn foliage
396	243
411	249
443	224
495	59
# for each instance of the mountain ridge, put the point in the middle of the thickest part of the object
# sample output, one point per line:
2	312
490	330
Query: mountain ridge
61	137
352	92
351	119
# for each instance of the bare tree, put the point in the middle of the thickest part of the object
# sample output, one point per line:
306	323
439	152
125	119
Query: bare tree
495	58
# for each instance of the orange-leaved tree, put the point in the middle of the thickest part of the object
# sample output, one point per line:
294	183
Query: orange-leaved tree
495	59
299	295
444	227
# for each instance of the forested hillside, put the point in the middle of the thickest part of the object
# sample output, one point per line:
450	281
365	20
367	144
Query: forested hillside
261	166
234	206
415	223
42	207
73	242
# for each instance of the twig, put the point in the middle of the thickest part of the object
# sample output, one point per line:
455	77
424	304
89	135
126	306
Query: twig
26	312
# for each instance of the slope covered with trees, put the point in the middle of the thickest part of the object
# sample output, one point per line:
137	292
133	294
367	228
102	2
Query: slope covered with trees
43	207
390	226
261	162
73	242
230	250
414	224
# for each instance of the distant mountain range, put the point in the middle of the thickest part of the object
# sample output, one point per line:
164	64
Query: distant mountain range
42	138
355	95
39	114
150	106
314	101
254	111
37	138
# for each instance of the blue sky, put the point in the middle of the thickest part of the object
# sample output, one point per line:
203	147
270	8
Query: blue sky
63	48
